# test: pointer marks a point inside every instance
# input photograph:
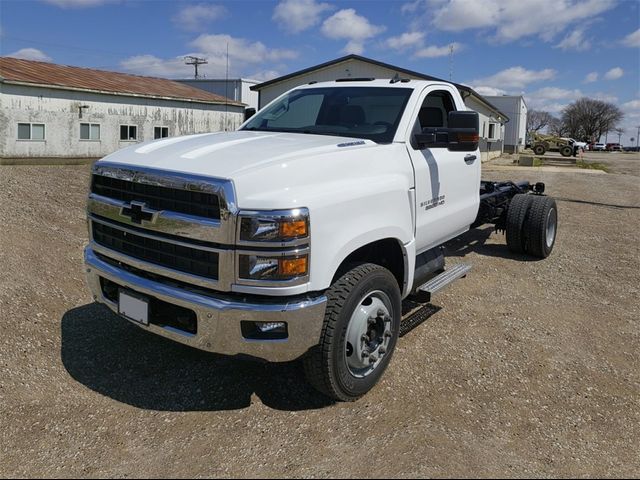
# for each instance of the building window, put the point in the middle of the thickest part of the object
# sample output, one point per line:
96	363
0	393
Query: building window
128	132
160	132
31	131
89	131
492	131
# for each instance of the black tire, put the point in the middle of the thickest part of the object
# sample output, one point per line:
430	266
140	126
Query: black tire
539	149
325	365
541	226
516	217
566	151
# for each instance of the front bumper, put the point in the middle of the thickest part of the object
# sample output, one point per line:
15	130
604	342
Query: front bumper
219	316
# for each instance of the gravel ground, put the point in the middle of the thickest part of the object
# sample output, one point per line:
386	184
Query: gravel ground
527	368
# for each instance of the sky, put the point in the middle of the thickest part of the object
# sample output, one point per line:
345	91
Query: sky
551	51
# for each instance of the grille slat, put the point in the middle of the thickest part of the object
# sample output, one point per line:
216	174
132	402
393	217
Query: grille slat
178	257
201	204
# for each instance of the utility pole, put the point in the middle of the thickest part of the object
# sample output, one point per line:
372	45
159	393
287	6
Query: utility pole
638	135
450	61
195	61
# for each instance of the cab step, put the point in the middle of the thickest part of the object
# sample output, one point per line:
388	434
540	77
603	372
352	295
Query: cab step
436	284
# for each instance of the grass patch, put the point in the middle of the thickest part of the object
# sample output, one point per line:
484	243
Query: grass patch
592	165
537	162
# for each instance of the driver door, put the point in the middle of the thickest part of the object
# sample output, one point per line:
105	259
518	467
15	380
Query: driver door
447	183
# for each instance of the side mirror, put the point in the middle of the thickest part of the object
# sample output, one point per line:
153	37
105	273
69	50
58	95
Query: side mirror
248	113
462	134
464	131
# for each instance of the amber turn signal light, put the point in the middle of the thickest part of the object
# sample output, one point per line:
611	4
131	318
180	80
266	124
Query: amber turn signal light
293	267
293	229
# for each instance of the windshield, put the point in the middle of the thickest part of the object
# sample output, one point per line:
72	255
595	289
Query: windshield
371	113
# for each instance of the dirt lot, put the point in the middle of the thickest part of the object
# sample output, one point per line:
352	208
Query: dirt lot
528	368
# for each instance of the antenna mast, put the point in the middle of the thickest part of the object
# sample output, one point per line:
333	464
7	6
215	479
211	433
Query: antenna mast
195	61
450	61
226	91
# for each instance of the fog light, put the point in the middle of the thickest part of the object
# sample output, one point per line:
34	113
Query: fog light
264	330
271	326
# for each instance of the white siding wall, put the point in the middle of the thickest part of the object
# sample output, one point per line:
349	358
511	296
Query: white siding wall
58	110
249	96
516	129
490	146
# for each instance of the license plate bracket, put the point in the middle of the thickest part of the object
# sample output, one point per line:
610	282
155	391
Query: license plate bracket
133	306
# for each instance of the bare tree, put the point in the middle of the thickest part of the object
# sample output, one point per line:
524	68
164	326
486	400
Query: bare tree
557	127
588	119
537	120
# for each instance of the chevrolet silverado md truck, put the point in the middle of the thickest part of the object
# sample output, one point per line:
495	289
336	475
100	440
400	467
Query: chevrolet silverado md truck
299	235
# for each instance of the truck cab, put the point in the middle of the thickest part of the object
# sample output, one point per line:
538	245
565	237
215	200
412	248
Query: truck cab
299	235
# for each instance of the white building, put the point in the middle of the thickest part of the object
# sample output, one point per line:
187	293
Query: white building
515	132
238	89
52	111
492	120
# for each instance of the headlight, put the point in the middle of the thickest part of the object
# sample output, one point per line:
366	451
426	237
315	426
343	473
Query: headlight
266	267
288	226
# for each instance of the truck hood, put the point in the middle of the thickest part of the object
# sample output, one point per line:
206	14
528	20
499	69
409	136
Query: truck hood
232	154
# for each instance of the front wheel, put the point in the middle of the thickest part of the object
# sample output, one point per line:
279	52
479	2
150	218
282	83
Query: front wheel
539	149
359	335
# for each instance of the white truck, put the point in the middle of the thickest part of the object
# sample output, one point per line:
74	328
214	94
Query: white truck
300	234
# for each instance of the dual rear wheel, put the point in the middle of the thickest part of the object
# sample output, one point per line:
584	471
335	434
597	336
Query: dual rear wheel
532	224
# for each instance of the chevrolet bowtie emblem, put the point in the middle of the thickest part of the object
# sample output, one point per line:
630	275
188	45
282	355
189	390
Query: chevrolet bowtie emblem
137	212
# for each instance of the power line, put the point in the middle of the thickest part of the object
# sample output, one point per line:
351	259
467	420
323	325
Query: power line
195	61
66	47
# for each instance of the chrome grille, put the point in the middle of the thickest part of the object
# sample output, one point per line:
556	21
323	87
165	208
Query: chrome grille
199	204
184	227
195	261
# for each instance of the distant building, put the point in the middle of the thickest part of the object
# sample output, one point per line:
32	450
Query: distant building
49	110
238	89
492	119
515	132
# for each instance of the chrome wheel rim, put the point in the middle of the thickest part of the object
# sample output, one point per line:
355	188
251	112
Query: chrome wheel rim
368	334
552	219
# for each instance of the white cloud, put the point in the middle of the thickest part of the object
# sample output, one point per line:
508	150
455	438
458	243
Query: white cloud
515	77
632	105
614	74
555	93
347	24
353	46
265	75
195	17
295	16
591	77
490	91
411	7
513	19
77	3
554	99
245	57
458	15
632	40
157	67
433	51
575	41
240	49
406	40
31	54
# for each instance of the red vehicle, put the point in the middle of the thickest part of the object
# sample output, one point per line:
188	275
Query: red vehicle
613	147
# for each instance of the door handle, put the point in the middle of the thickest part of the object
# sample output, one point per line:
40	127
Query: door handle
469	159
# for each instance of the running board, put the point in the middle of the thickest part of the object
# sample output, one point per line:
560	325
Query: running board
441	281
